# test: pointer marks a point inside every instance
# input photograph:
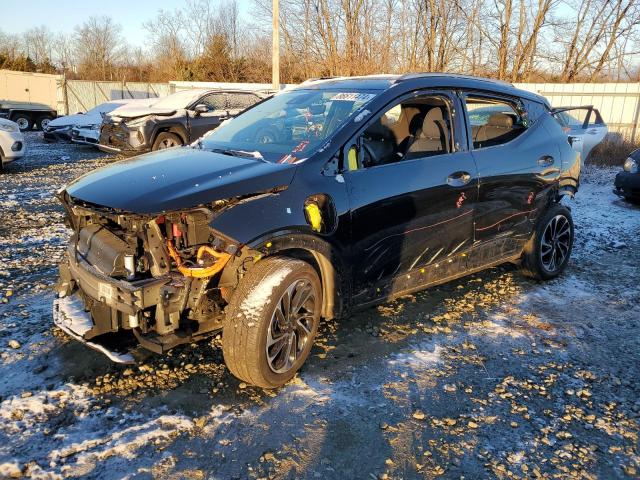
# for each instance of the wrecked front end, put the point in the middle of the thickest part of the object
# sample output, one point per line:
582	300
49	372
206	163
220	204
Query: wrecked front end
126	136
131	280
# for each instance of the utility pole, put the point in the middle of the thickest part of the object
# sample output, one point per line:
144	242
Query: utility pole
275	62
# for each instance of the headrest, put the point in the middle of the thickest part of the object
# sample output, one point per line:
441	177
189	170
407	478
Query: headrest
433	123
500	120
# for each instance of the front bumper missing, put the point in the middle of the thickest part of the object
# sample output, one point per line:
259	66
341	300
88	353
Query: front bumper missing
69	315
108	148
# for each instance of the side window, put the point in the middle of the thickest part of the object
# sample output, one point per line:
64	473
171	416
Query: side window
241	100
493	121
535	111
418	127
215	101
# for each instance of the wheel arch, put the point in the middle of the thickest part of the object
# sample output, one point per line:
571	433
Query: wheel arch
325	258
178	130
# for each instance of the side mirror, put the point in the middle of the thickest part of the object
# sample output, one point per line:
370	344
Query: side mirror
201	108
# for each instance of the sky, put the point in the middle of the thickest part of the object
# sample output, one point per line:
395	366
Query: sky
62	16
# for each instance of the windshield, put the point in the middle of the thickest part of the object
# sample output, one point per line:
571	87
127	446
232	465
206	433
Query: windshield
179	99
289	126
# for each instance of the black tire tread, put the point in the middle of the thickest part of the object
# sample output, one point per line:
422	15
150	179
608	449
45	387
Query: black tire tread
530	263
239	339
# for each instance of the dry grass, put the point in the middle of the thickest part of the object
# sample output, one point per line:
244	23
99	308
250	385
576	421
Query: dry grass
612	151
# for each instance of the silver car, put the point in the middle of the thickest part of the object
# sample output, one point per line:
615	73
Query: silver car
584	126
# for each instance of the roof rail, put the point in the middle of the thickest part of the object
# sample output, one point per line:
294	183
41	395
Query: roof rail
411	76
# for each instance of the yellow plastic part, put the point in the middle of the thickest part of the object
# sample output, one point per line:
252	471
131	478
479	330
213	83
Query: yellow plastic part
314	216
200	272
352	159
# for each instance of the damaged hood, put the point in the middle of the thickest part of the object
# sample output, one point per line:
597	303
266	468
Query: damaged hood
142	111
177	178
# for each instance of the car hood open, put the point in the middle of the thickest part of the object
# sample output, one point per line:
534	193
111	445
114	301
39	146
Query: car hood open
177	178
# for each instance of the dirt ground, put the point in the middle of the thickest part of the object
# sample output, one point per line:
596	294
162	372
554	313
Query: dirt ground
491	376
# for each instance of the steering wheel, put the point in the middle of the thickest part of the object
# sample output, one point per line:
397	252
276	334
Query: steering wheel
266	135
373	158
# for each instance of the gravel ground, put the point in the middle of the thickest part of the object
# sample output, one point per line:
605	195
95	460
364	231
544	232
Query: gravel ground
491	376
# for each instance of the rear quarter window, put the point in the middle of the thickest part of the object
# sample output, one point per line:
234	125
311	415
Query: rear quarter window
534	111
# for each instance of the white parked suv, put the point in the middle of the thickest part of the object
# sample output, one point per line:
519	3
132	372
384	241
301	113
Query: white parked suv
11	142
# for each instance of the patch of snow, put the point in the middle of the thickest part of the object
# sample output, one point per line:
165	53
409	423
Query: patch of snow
361	116
261	294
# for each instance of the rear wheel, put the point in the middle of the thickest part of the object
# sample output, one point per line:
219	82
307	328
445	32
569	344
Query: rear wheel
271	322
548	251
166	140
43	121
24	121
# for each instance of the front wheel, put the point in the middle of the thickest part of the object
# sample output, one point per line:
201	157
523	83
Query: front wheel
271	321
166	140
548	251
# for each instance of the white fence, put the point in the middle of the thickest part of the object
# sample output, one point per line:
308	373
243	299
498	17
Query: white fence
619	103
82	95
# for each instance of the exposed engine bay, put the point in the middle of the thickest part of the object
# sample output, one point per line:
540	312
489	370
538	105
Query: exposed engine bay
159	278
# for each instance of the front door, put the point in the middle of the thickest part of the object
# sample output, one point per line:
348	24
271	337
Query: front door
202	122
584	126
411	192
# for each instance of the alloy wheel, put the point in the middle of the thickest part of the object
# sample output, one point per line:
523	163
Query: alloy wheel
291	326
556	242
167	143
44	123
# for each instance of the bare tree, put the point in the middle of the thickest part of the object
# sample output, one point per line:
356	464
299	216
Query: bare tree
98	48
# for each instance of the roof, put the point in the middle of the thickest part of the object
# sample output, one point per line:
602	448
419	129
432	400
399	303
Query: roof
435	80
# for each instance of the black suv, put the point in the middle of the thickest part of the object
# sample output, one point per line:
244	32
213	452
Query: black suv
177	119
337	194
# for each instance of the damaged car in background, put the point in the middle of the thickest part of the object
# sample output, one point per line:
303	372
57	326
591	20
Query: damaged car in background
331	196
61	128
175	120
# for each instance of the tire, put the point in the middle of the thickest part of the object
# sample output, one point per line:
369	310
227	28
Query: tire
43	121
547	252
252	322
24	121
166	140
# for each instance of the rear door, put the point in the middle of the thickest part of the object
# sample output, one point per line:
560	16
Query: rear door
201	123
412	190
584	125
517	165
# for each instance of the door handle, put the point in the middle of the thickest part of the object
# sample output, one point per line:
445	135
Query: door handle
458	179
546	160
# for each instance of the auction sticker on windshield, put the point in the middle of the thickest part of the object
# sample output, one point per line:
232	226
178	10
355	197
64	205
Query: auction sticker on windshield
353	97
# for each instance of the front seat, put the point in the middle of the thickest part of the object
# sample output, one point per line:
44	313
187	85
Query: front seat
433	137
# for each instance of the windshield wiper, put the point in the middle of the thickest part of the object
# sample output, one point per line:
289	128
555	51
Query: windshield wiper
240	153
